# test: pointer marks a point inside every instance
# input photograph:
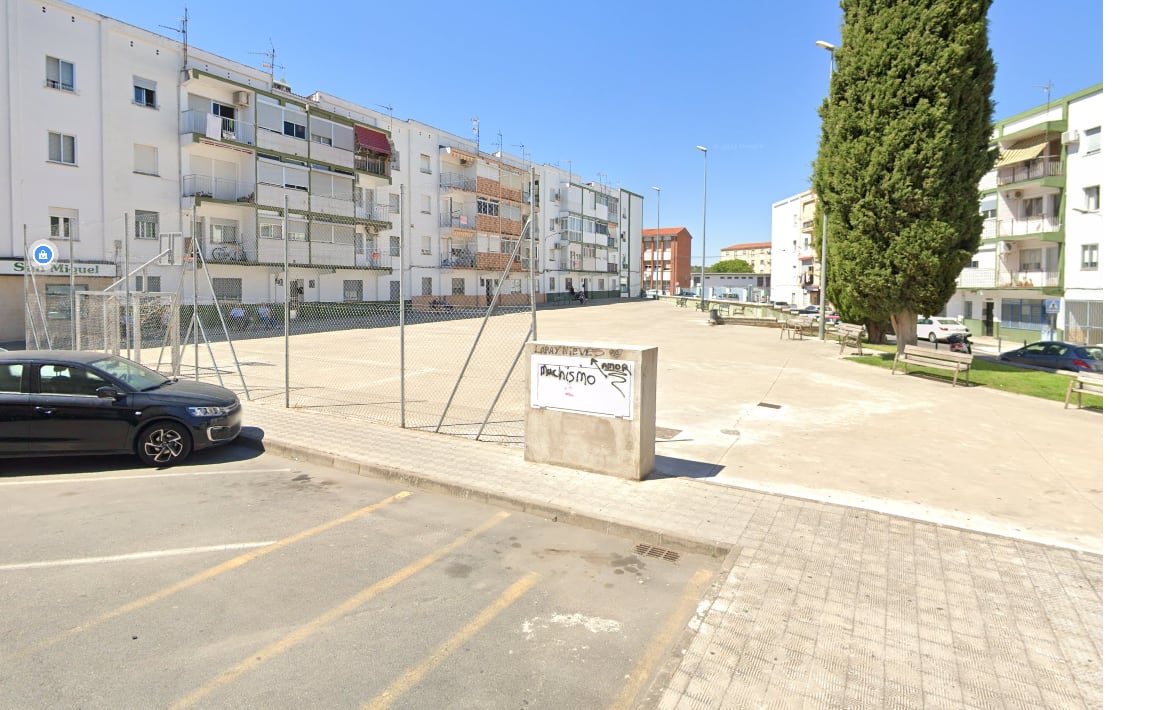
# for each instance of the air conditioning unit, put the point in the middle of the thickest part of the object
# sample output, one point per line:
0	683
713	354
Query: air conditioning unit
1007	246
1069	137
1015	194
241	98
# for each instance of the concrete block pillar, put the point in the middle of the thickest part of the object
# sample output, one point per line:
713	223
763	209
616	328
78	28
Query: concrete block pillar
592	407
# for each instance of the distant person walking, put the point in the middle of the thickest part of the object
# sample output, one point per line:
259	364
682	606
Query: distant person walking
265	314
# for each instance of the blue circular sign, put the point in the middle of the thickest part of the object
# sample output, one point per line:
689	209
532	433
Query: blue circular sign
42	253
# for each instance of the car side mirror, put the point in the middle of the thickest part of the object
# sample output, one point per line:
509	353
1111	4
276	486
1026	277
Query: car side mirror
108	392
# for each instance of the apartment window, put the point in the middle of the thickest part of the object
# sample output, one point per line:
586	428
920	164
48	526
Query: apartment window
225	232
58	300
1031	259
968	310
488	207
393	246
271	230
353	290
426	246
1023	314
60	74
151	285
61	148
1089	257
295	130
551	283
144	92
1091	142
426	204
426	286
147	224
394	290
394	203
425	164
457	287
145	159
988	207
1034	207
1092	198
63	224
229	289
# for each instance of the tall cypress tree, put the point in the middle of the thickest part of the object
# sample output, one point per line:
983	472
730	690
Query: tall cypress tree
903	146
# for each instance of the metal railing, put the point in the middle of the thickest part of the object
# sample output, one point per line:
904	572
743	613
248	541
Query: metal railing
215	188
230	129
376	166
1029	225
1030	170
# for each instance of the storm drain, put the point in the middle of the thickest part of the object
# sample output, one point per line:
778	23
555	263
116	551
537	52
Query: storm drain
769	405
651	551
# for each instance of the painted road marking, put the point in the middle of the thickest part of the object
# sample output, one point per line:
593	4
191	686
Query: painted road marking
301	634
207	574
74	478
415	674
658	647
135	556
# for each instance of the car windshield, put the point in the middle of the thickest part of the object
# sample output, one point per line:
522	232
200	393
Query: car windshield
131	373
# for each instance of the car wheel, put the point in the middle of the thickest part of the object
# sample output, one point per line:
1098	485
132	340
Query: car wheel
931	337
164	444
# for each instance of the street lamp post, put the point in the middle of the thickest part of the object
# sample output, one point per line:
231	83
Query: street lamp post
824	211
704	229
656	241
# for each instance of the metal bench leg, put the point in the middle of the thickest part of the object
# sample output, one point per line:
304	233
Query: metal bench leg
1068	394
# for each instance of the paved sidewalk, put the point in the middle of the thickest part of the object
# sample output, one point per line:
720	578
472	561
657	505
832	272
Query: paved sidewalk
825	605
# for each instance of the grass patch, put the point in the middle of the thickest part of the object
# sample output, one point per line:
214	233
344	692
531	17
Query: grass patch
997	375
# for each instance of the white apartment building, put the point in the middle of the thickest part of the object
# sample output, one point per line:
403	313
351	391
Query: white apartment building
795	266
1038	273
121	146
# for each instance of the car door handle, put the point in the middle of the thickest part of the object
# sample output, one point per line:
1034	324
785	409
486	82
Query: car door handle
46	411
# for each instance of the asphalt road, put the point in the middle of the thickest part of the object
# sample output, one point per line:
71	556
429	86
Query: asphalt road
244	580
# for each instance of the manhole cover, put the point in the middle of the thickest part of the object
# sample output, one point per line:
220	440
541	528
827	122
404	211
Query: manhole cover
769	405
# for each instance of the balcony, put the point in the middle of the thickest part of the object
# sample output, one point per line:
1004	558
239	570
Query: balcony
493	188
229	249
457	181
613	268
1041	224
1029	170
373	211
376	166
208	187
331	205
226	129
989	278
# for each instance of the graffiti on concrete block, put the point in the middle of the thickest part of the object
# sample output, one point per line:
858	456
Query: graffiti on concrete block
588	384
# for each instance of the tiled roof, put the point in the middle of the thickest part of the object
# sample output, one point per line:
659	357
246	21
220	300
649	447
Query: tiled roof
751	245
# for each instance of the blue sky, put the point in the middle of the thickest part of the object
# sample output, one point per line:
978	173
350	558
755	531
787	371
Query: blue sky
625	90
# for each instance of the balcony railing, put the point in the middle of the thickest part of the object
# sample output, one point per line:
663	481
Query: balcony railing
1030	170
229	128
376	166
613	268
215	188
459	220
457	181
232	248
1029	225
373	210
989	278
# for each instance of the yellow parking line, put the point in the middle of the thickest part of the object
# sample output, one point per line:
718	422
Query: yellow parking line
212	572
415	674
658	647
275	649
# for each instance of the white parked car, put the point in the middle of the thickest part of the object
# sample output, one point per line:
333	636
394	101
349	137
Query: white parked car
935	328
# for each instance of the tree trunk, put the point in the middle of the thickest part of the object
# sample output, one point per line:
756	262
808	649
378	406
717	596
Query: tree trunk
875	331
904	325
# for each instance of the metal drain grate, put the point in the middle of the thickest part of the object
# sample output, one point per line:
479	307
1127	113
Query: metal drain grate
650	551
769	405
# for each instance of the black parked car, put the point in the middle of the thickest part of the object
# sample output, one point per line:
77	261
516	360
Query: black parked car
1058	356
81	403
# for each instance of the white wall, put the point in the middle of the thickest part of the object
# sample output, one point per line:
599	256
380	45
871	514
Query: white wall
787	240
1082	228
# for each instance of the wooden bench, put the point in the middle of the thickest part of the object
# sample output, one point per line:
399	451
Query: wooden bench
794	327
940	359
1084	382
850	334
682	302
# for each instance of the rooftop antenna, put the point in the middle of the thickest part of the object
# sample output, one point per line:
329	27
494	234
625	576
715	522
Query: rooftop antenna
476	130
523	152
183	30
499	143
1047	107
271	64
389	109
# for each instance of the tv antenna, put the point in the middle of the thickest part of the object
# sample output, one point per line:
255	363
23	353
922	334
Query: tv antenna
476	130
271	64
388	108
499	142
183	30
